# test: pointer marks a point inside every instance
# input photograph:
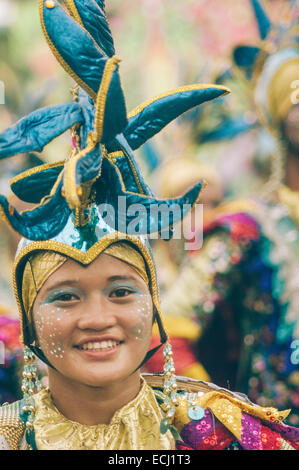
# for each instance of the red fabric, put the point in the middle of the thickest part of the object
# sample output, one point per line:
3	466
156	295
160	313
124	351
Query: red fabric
219	439
182	446
270	440
183	355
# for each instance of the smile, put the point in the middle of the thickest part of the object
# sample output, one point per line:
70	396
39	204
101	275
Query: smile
99	346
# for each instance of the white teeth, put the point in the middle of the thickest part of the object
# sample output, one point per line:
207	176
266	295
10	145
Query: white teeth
96	345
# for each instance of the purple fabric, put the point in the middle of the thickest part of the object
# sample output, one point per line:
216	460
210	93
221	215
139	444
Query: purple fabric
287	432
195	432
250	433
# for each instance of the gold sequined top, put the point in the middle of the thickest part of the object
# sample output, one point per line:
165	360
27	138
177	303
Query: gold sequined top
134	426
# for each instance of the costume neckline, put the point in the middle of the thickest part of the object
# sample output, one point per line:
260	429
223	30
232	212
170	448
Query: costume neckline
136	425
122	412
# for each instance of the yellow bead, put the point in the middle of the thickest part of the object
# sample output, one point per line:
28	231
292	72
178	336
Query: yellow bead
49	4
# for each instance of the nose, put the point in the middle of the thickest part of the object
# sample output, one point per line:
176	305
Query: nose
97	315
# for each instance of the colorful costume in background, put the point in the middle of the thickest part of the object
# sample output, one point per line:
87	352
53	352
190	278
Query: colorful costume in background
245	332
240	290
11	359
69	224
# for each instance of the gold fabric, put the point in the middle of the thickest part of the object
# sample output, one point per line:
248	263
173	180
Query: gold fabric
228	409
136	426
42	264
126	253
37	270
11	426
280	91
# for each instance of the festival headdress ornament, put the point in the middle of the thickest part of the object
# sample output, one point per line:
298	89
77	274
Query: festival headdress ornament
70	194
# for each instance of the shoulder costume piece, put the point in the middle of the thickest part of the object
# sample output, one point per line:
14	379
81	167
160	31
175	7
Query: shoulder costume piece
68	222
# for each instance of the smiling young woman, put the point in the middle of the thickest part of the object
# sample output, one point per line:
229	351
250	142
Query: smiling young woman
86	286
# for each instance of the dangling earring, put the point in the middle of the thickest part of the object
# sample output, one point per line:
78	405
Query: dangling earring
30	385
169	390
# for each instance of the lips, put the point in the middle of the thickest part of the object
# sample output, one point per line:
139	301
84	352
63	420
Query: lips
98	344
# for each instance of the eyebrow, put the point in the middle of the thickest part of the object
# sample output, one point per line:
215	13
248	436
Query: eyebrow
123	278
74	281
61	284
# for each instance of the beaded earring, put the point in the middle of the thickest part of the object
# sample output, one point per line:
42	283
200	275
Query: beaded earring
169	391
30	385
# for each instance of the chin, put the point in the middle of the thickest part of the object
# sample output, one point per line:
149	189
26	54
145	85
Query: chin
99	379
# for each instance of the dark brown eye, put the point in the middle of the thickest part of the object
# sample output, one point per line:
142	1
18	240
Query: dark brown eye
66	298
123	292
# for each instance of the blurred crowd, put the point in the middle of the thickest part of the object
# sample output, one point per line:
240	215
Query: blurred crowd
232	305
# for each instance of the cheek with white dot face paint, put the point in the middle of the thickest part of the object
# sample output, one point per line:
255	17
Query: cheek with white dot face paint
48	320
143	313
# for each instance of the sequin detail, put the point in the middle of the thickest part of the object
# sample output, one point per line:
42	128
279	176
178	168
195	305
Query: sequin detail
251	429
287	432
206	434
195	432
270	440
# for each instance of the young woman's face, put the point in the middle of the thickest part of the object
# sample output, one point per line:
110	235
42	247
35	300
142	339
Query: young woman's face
94	322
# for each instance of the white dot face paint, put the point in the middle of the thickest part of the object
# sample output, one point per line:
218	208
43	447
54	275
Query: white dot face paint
144	311
47	324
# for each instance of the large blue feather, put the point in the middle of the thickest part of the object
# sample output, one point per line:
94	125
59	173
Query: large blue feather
41	223
152	118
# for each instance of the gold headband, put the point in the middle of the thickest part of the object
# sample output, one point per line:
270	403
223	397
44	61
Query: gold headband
41	265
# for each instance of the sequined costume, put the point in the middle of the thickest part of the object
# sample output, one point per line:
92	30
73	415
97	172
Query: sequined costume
68	224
